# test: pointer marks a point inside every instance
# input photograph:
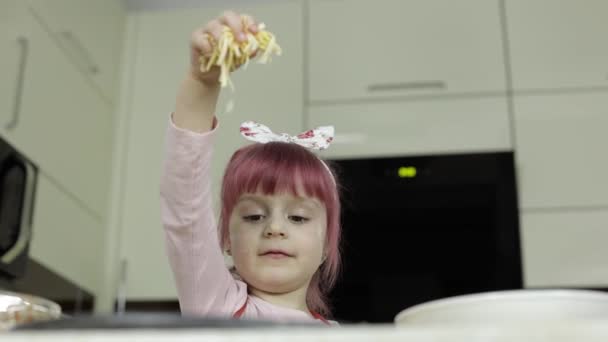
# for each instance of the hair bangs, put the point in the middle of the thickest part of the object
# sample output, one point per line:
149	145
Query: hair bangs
277	167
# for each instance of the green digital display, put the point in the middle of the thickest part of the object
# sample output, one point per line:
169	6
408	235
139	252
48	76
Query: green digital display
407	172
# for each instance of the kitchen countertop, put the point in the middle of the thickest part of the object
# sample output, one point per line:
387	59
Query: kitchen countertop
554	331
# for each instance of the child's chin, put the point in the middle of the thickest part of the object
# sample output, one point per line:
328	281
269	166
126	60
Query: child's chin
278	281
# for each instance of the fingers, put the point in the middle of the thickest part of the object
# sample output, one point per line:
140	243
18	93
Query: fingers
200	41
250	23
203	39
214	29
235	23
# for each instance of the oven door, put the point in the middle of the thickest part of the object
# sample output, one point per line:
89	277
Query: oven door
17	189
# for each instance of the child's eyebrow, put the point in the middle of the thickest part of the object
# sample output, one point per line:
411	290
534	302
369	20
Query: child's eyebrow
251	197
259	199
308	201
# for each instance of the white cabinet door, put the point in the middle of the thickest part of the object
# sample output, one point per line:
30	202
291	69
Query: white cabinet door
63	124
13	55
558	43
371	49
271	94
561	150
415	127
565	248
66	238
91	32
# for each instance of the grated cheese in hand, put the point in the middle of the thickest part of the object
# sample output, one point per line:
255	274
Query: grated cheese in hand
229	54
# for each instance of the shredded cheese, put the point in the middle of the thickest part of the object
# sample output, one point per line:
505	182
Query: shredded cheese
229	54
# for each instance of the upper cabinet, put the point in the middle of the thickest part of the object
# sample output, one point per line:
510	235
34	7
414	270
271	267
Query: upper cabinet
385	48
52	113
91	33
558	43
415	127
13	52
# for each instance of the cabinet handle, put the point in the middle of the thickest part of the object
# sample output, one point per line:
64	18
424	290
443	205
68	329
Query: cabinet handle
24	51
415	85
91	65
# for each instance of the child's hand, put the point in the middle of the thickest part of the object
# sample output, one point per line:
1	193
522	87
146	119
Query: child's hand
202	40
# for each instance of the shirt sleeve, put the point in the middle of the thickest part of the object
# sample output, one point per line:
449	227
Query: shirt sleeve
204	284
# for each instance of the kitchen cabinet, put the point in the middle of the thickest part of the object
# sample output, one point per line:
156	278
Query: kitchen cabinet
12	59
270	94
66	238
62	123
359	49
565	248
561	143
415	127
557	43
90	32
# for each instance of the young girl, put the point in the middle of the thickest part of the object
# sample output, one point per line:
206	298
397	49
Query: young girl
280	210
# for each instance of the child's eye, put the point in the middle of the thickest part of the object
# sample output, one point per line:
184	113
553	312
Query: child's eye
253	218
298	219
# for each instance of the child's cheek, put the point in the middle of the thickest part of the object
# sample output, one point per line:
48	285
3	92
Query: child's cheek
320	231
314	239
243	239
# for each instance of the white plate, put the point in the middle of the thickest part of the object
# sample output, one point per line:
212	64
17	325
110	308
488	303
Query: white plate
515	306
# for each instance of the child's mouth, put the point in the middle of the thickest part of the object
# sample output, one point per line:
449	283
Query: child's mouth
276	254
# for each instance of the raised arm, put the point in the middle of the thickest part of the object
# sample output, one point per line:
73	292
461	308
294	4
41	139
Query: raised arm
204	284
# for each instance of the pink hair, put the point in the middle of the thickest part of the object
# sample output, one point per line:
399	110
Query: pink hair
278	167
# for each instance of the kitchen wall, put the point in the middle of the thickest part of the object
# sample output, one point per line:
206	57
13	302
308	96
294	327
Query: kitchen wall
58	90
399	77
395	78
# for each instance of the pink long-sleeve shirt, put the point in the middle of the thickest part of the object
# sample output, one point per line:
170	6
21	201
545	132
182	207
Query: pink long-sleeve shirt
205	286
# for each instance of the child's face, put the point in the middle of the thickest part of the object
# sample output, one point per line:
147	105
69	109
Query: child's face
277	241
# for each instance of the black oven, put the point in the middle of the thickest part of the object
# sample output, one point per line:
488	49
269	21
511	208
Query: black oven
17	191
421	228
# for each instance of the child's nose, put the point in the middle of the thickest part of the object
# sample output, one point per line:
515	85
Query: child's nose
274	229
272	233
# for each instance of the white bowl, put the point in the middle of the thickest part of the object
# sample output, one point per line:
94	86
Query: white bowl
504	307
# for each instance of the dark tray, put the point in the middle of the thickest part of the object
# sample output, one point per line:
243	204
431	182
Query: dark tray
148	321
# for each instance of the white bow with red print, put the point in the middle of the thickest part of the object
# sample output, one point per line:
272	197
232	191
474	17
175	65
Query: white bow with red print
315	139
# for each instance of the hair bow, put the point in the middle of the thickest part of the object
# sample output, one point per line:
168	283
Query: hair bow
316	139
